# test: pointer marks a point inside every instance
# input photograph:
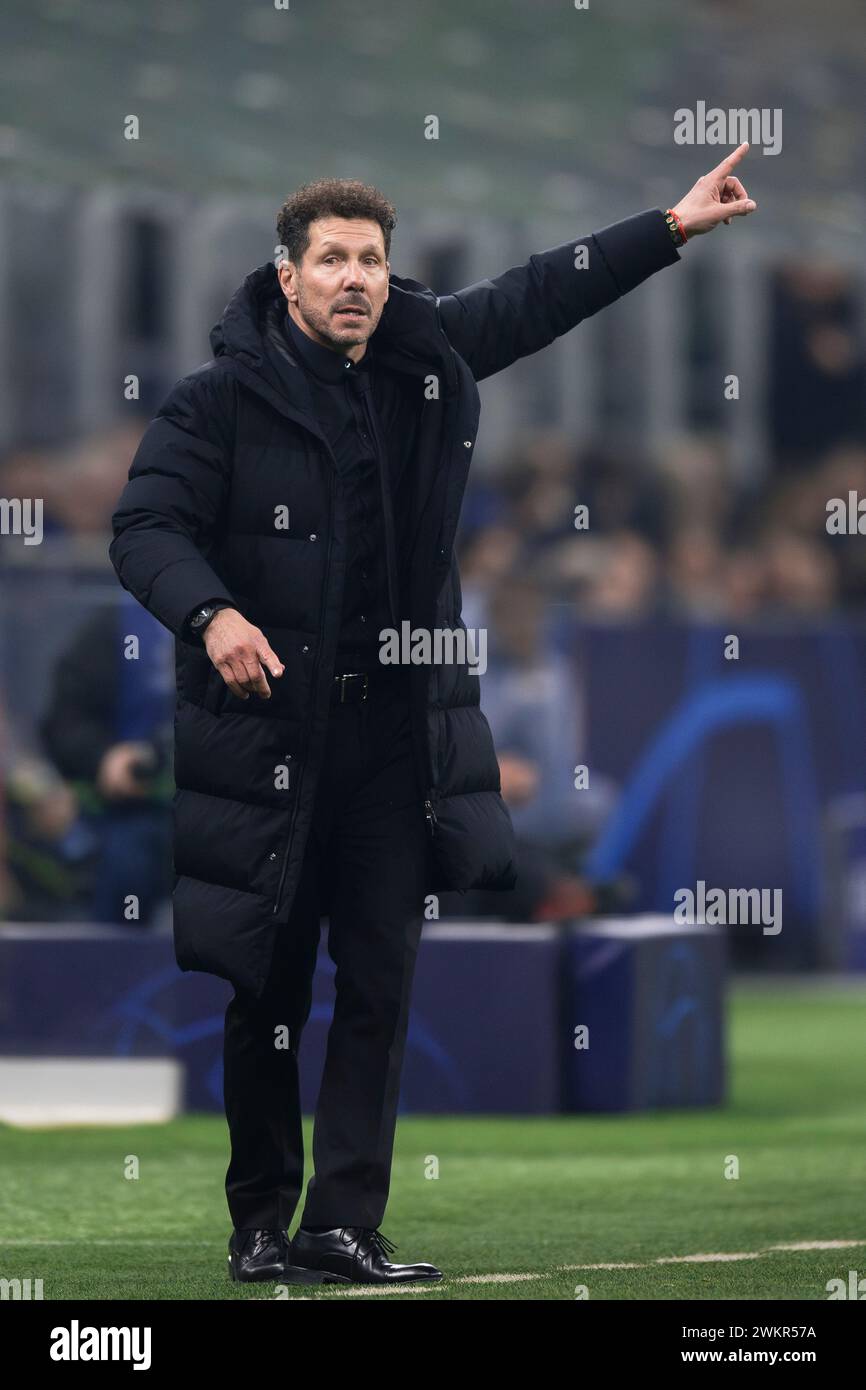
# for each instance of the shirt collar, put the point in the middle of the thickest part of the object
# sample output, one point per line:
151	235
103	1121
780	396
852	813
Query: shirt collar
322	361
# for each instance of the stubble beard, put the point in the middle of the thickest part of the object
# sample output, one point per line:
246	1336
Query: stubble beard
325	327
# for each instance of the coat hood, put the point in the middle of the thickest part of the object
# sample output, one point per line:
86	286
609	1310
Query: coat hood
408	336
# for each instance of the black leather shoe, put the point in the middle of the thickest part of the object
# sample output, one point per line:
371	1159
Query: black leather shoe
256	1256
352	1255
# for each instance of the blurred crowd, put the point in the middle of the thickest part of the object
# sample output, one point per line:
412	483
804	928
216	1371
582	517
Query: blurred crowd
682	534
672	537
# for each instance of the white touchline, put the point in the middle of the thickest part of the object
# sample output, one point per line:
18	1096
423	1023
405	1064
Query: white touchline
431	1285
817	1244
363	1290
336	1291
708	1259
495	1278
722	1256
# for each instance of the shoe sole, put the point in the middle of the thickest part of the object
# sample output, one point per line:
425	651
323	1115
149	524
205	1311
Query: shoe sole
290	1275
326	1276
300	1274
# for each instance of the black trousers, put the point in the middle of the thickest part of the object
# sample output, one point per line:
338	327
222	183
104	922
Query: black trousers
369	841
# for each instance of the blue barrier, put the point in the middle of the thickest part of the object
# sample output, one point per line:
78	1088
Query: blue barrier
650	997
491	1027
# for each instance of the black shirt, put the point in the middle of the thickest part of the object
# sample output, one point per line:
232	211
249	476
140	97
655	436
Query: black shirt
342	395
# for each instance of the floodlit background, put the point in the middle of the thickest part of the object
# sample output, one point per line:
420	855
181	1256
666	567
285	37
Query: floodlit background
606	646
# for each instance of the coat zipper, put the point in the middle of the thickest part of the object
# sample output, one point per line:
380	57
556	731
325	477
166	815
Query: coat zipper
280	885
431	818
429	809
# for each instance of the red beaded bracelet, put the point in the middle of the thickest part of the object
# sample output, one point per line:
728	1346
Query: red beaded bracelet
675	227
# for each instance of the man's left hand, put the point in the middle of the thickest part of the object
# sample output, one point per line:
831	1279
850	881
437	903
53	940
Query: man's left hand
716	197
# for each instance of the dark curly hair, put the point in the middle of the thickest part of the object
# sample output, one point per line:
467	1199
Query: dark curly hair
331	198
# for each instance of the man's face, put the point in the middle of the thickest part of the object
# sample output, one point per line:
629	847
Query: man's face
338	292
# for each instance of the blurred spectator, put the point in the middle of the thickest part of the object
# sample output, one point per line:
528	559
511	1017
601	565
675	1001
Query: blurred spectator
489	554
625	585
695	565
744	580
107	727
844	471
538	481
47	855
801	577
78	484
532	702
623	493
817	363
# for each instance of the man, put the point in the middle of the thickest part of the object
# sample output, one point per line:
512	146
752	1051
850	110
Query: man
293	499
107	729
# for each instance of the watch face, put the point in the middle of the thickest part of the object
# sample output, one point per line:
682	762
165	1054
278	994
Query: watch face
201	617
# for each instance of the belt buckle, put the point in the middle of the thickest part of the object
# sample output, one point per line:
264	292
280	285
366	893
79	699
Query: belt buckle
349	675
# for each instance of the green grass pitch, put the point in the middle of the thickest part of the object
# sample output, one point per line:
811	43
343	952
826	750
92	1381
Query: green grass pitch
523	1197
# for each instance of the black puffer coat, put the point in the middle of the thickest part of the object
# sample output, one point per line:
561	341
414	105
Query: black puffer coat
234	441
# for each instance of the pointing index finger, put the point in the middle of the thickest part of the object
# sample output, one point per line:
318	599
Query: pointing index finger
730	161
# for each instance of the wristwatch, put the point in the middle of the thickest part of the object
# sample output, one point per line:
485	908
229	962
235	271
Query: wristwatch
202	616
